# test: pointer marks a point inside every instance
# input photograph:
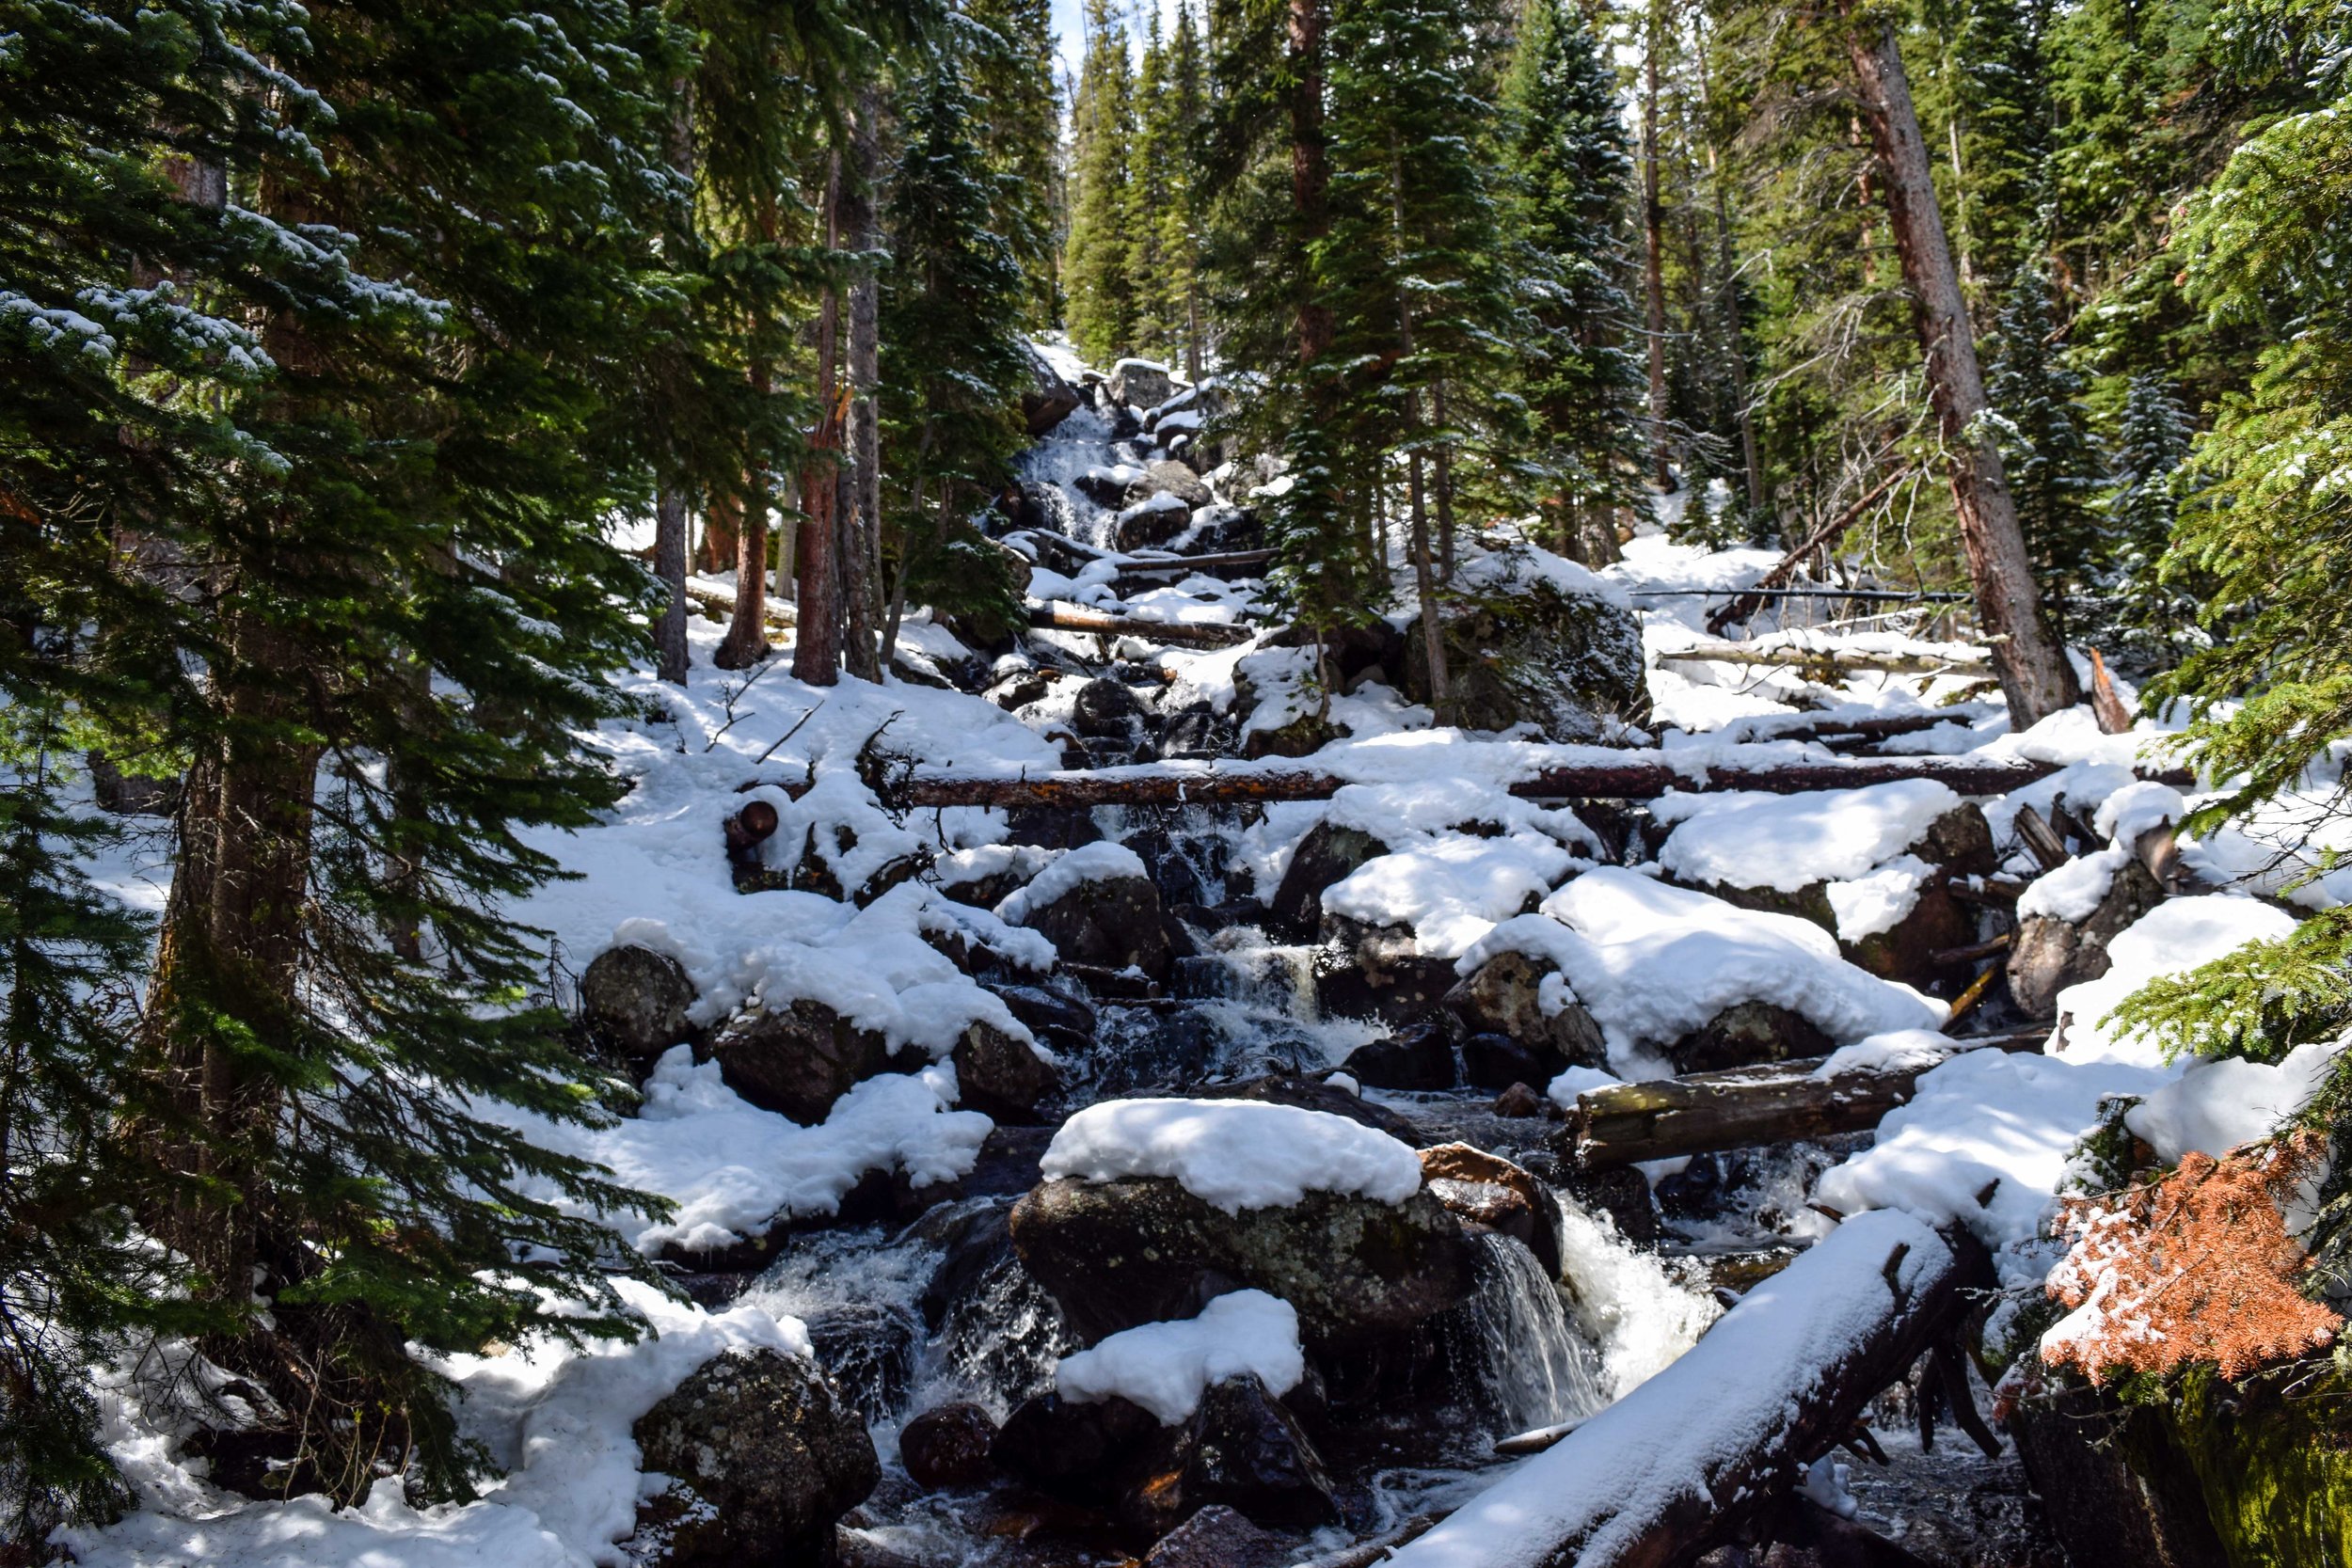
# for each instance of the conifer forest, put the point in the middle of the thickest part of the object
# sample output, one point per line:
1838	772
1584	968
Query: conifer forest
1209	784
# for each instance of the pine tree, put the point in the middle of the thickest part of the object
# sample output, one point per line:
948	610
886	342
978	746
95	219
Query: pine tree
2055	471
1186	110
1570	171
952	364
1097	265
2004	113
1152	195
1011	71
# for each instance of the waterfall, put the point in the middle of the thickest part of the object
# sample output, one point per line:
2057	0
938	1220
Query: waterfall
1511	1350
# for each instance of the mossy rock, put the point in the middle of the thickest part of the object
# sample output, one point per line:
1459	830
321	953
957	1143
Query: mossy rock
1523	652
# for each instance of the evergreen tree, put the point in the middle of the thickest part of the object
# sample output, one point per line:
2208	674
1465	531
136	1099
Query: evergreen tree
1154	155
1097	265
1185	108
1018	118
2157	619
1571	171
2055	471
952	362
2003	134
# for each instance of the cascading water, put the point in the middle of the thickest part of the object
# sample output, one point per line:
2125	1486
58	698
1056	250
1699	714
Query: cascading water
1511	1350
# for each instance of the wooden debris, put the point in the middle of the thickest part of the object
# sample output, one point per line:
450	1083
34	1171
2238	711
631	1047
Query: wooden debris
1063	617
2106	703
1830	661
1745	605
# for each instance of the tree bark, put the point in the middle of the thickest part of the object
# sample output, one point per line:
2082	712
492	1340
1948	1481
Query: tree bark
1653	242
746	642
2035	674
861	560
817	649
1310	172
1443	458
1061	617
668	563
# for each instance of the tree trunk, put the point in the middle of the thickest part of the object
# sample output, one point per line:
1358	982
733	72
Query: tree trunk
817	649
718	535
1443	458
746	642
2035	674
860	559
669	565
1310	173
1653	243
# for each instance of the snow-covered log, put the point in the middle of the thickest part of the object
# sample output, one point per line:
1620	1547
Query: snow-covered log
779	612
1839	662
1743	1107
1681	1463
1062	617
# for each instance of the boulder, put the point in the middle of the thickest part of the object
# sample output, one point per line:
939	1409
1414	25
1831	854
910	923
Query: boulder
1109	923
867	1350
1151	522
1046	399
1104	709
1420	1056
948	1446
763	1458
2051	953
1060	1022
1488	1189
1216	1537
1195	733
795	1059
1165	478
1329	855
1139	383
1518	1102
1000	1076
1747	1033
634	1002
1377	972
1492	1061
1301	736
1072	1451
1504	996
1313	1094
1519	650
1242	1449
1020	689
1142	1249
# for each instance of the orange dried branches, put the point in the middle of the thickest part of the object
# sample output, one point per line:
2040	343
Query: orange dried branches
2198	1266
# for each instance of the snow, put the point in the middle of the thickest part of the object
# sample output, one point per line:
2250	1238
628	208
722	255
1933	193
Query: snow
1879	900
2136	808
1652	1454
1899	1051
558	1418
2072	892
2216	1105
1450	887
1653	962
1574	1081
1789	842
1166	1367
733	1169
1234	1154
1100	862
2178	934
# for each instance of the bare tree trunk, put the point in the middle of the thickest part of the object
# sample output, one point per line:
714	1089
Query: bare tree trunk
670	527
817	649
1653	242
1444	461
861	560
2035	674
746	642
1310	173
719	531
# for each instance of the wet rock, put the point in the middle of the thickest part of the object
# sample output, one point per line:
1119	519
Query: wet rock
1061	1023
1103	486
1139	383
867	1350
1195	733
795	1059
1105	709
1313	1094
1498	1061
1116	1254
634	1002
1747	1033
1467	1180
1504	996
1521	650
1419	1057
1377	972
1242	1449
1152	521
766	1455
1328	856
1691	1192
1165	478
1018	690
1001	1076
1051	827
1046	399
1623	1195
1072	1450
1216	1537
1301	736
1520	1102
2051	955
948	1446
1110	923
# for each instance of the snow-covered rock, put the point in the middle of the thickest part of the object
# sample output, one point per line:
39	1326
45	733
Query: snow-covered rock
1234	1154
1531	638
1166	1367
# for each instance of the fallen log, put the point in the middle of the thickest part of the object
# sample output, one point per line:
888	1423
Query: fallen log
1703	1113
780	613
1833	660
1681	1462
1062	617
1179	565
1749	602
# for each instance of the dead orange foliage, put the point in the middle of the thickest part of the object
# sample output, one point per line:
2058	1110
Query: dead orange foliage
2196	1267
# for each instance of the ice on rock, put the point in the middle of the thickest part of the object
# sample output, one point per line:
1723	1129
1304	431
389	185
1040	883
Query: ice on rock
1234	1154
1166	1367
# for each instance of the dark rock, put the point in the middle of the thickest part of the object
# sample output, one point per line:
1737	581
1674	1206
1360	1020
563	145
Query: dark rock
1467	1180
2051	955
1139	385
1523	651
770	1453
1313	1094
1000	1076
1520	1102
1691	1192
634	1002
1303	735
1961	842
948	1446
1100	487
1105	710
1243	1450
1144	527
1504	996
867	1350
1195	733
1020	689
1623	1195
1170	479
796	1060
1498	1061
1072	1450
1046	399
1051	827
1326	857
1747	1033
1378	972
1063	1023
1420	1056
1110	921
1116	1254
1216	1537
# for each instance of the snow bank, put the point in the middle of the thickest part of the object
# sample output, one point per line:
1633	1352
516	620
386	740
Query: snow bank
2178	934
1166	1367
733	1169
557	1417
1099	861
2072	892
1879	900
1899	1051
1789	842
1653	962
2216	1105
1451	887
1236	1154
